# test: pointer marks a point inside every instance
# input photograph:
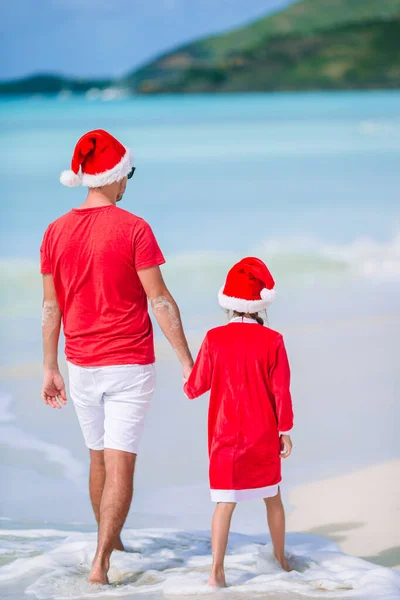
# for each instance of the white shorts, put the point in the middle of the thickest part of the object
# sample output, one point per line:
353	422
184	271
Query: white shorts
112	403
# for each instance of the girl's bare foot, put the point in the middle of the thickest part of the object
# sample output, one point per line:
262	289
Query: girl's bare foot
287	565
217	578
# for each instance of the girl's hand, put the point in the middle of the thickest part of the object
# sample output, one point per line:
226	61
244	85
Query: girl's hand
286	446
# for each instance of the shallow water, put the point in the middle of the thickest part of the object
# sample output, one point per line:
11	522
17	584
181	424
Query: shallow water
308	182
169	563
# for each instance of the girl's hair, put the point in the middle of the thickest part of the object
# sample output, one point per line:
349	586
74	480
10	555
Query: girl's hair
254	316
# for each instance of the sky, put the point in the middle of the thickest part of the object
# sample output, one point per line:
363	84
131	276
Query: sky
95	38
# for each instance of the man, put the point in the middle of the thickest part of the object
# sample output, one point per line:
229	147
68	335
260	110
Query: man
100	265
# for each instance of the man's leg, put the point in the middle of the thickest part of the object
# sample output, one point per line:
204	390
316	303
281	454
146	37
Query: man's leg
97	479
114	507
127	392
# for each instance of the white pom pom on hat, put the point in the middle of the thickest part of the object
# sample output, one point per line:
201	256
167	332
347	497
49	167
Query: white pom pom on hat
70	179
268	295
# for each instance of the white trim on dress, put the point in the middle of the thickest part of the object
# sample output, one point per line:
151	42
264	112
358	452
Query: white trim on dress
239	495
243	320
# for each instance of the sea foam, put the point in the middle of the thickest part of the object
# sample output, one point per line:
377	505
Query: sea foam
171	563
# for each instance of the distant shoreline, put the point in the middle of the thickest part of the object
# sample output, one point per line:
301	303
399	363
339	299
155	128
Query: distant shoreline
109	94
300	48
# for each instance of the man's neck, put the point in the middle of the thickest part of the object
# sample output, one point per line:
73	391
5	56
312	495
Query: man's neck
99	197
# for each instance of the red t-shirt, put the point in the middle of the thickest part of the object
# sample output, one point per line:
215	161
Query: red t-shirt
94	255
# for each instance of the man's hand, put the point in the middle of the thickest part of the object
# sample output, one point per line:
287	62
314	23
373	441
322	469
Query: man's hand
53	391
187	369
286	446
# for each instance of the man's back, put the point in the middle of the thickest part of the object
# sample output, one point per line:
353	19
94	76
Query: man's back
100	266
93	255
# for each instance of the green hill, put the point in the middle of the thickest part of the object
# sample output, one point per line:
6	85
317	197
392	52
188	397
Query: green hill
313	44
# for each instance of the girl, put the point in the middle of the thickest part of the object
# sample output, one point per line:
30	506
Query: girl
250	412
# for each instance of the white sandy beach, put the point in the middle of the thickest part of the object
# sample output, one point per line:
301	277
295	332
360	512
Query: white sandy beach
360	511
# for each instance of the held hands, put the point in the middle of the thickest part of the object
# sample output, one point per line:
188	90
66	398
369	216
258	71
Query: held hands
53	390
187	369
286	446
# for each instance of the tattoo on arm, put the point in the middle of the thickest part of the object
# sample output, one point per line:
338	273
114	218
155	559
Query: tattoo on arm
162	305
51	325
167	314
50	314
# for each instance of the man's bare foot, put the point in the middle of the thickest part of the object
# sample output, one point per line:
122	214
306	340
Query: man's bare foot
119	545
217	579
98	576
99	571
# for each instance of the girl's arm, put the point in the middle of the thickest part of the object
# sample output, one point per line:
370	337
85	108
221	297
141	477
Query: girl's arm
280	384
199	381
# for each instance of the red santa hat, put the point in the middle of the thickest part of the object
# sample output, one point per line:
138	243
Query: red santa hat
249	287
99	159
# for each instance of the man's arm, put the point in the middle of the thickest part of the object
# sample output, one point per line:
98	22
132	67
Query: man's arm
167	314
53	383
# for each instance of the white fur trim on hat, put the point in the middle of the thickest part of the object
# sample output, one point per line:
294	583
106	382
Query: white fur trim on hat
246	306
70	179
117	173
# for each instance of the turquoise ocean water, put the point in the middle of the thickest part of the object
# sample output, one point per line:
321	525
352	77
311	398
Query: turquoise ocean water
308	182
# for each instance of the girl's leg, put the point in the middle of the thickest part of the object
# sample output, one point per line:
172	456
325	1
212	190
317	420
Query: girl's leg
276	524
219	540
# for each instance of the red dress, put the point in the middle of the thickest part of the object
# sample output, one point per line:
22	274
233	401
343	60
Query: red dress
246	368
